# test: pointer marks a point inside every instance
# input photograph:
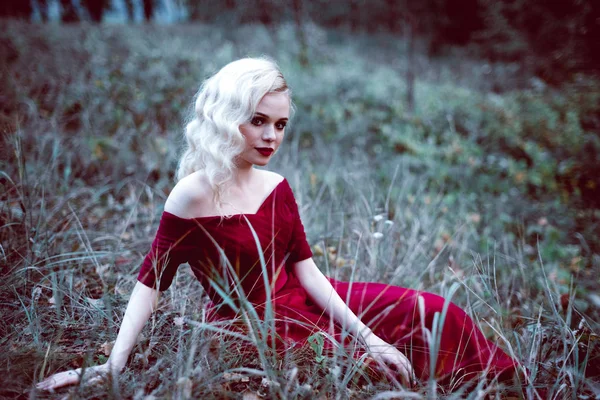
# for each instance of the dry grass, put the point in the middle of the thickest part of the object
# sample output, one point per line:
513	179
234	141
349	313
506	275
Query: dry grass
79	208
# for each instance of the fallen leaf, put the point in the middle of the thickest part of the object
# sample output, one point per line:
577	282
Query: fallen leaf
520	177
98	303
474	217
235	377
37	292
313	180
106	348
317	250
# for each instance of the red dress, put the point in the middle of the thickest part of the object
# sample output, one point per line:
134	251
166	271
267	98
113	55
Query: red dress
222	251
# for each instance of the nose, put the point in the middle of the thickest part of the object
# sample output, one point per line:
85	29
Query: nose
268	134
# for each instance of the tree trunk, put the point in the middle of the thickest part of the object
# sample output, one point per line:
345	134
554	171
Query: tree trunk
148	10
410	67
16	8
303	56
129	10
392	13
354	16
264	14
95	8
68	13
43	9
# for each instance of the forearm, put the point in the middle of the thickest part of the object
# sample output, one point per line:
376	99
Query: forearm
324	295
141	305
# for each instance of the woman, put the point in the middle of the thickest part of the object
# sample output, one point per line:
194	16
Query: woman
223	210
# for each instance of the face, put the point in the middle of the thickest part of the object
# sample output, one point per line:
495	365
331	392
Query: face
264	132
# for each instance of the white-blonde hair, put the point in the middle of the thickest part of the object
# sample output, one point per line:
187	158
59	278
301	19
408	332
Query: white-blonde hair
224	102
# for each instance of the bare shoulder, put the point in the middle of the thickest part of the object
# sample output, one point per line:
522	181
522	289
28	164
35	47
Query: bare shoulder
272	178
190	196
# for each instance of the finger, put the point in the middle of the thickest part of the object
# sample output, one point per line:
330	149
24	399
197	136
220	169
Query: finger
412	375
44	385
404	373
405	365
58	380
411	378
50	383
403	368
95	378
93	381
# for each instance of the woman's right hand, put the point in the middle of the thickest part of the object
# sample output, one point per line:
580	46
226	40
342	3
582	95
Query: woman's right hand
141	303
389	356
92	375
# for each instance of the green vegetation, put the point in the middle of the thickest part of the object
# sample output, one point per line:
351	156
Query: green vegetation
497	193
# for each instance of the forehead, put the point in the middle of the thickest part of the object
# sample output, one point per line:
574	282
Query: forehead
276	105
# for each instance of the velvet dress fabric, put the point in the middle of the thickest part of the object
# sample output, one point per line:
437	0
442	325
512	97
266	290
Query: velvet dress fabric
232	256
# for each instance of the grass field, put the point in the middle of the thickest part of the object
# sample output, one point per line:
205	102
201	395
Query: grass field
476	191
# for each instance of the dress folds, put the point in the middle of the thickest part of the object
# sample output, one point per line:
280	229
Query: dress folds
234	255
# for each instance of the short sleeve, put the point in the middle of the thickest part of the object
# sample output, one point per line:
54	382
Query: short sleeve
171	247
298	248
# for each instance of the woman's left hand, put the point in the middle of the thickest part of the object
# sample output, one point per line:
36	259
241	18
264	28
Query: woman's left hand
392	361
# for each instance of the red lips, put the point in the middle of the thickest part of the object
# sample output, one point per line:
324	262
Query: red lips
265	151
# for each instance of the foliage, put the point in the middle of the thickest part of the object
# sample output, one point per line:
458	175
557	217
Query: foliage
521	31
489	191
526	31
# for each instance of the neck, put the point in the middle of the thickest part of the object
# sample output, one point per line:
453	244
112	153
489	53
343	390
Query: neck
243	176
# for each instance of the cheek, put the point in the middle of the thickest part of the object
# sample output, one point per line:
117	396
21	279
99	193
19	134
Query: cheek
249	132
247	136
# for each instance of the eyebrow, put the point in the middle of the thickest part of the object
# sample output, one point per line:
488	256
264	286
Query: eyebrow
266	116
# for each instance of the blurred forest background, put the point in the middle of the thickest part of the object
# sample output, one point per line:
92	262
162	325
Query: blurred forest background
473	126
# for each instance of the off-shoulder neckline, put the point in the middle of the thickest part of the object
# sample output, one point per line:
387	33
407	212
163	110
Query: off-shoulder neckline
220	217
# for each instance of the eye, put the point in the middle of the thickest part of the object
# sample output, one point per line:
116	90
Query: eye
257	121
280	125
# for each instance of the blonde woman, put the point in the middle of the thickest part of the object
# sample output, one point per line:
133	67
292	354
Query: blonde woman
240	230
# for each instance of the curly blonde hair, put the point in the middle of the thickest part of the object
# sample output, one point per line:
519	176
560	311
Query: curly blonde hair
224	102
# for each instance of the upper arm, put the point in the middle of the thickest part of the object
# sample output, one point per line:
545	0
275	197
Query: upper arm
306	269
298	247
174	243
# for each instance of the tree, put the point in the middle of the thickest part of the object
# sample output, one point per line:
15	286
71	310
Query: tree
96	8
129	10
412	19
299	20
16	9
552	39
148	6
43	9
68	13
148	9
456	22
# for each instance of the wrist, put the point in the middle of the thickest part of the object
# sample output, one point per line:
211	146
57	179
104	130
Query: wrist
115	364
368	338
